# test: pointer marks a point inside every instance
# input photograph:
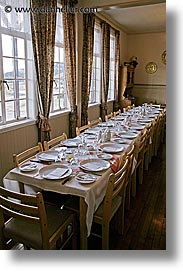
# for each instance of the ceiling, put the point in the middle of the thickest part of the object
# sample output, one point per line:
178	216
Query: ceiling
133	16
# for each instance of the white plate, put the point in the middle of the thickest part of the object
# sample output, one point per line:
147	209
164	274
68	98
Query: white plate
145	120
138	127
71	142
94	165
55	172
104	156
121	141
129	135
28	167
47	155
85	178
111	148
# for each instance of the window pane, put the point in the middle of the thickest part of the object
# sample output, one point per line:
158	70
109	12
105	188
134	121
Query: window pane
56	102
6	20
29	50
56	70
30	70
7	45
21	68
56	56
61	55
55	90
23	108
8	67
9	93
21	89
20	48
10	110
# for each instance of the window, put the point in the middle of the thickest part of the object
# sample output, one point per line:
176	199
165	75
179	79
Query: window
96	68
16	66
60	99
111	67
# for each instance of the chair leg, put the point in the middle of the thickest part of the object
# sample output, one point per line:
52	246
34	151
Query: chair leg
119	219
141	173
105	236
74	237
146	160
134	178
128	195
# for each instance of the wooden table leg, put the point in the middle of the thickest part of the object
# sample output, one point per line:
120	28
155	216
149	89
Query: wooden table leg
83	228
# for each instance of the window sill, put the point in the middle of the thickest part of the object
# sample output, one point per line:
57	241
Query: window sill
93	105
16	125
59	114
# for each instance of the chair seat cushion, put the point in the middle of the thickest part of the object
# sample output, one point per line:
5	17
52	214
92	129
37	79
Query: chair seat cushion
29	233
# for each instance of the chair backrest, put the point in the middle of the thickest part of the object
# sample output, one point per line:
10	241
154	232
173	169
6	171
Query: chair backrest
140	144
81	129
54	142
109	116
26	155
130	154
116	185
117	113
95	122
24	208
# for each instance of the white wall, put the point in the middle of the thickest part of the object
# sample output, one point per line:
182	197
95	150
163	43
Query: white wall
148	48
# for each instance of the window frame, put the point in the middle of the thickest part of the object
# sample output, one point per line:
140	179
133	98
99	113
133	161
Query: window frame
25	36
96	94
111	89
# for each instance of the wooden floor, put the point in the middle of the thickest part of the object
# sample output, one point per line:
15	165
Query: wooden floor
145	222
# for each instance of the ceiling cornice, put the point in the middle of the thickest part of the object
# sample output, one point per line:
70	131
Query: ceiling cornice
127	4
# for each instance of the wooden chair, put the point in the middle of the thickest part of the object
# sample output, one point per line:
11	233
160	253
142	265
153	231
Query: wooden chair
109	116
139	156
126	109
81	129
117	113
130	155
26	155
112	204
21	158
54	142
33	223
95	122
148	146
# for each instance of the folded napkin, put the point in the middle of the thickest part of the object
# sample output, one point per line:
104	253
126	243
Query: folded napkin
45	156
91	166
58	172
115	164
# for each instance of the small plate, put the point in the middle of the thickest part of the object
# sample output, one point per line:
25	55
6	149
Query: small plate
47	155
85	178
138	127
121	141
129	135
28	167
111	148
71	142
94	165
55	172
104	156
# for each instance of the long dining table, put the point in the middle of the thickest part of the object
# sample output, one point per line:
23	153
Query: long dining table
87	154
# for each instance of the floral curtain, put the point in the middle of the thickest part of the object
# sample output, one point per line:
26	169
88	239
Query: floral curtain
88	41
116	76
43	26
70	63
105	66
